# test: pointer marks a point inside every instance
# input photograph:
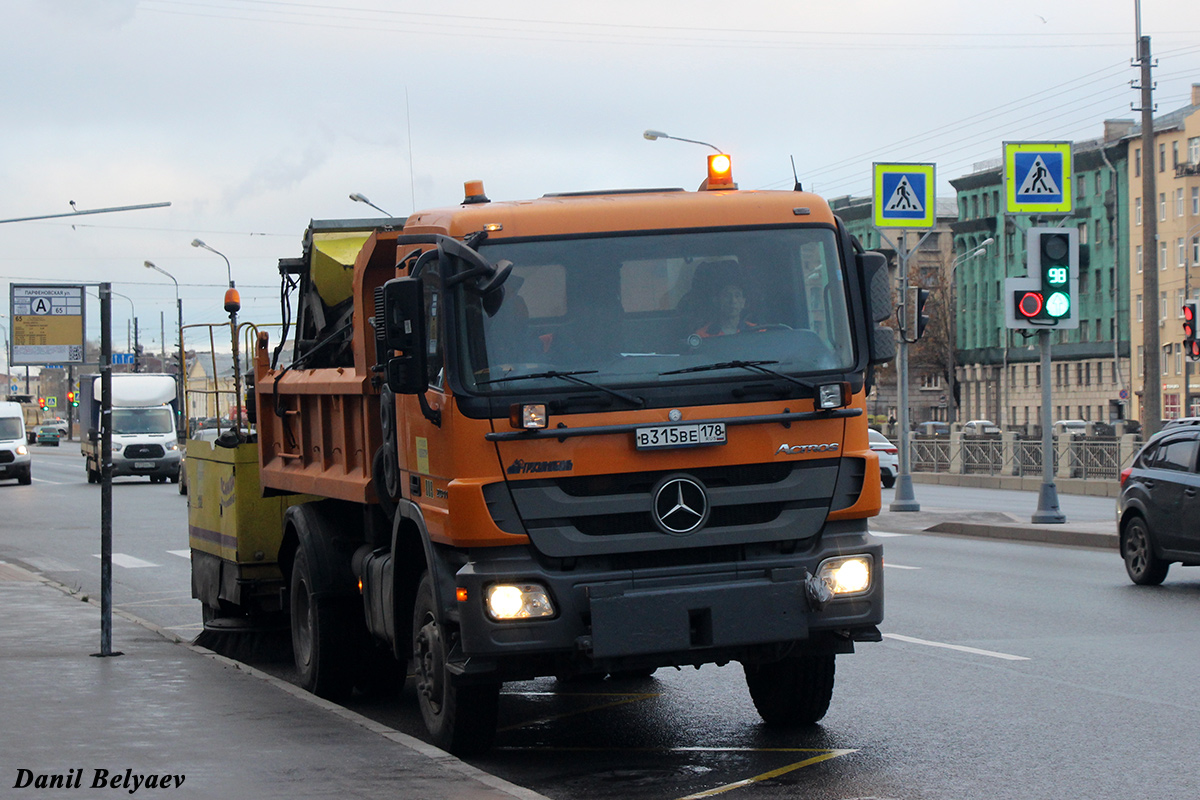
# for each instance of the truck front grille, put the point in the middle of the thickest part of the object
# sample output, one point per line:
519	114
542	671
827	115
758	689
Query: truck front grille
584	515
144	451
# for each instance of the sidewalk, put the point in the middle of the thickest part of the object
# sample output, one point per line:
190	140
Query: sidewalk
175	717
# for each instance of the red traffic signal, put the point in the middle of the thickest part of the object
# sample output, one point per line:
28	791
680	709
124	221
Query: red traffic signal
41	402
1189	321
1030	304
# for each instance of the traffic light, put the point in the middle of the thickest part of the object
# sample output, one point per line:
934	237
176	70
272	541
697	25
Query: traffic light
922	317
41	402
71	399
1190	346
1048	297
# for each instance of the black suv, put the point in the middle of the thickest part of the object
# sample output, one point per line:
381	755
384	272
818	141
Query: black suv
1159	506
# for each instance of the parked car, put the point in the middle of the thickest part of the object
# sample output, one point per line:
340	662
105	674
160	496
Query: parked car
1179	422
49	433
1158	506
933	429
889	460
1070	427
978	427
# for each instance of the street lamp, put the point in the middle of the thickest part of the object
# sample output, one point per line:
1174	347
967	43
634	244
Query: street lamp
180	391
653	135
950	406
233	303
358	198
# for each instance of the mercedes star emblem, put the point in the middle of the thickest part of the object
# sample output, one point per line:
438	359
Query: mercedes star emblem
680	505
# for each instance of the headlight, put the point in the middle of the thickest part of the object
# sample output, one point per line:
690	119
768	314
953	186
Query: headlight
518	601
116	447
846	575
22	450
174	446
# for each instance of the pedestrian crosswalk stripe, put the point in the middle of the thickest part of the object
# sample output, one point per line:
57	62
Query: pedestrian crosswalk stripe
128	561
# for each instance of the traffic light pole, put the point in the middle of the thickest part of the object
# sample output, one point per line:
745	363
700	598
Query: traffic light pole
1047	510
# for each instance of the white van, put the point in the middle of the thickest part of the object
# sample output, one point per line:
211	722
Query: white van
14	454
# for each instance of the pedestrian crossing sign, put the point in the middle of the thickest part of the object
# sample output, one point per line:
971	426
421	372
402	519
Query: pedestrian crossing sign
1037	177
904	195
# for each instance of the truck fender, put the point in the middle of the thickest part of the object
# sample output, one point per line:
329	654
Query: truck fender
330	564
409	526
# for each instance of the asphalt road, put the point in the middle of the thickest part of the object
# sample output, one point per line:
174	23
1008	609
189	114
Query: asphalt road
1008	670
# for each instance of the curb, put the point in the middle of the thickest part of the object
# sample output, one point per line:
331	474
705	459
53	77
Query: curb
1066	537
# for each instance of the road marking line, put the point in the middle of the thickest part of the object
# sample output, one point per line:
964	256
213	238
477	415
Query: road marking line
825	755
128	561
181	553
958	647
888	534
897	566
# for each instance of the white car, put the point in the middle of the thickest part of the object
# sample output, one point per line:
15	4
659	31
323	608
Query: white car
889	459
977	427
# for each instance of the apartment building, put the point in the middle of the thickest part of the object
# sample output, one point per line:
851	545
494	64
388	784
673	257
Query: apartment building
1177	208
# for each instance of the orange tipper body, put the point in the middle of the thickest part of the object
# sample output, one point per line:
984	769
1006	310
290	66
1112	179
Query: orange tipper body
599	432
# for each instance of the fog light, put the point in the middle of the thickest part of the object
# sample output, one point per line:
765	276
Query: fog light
846	575
518	601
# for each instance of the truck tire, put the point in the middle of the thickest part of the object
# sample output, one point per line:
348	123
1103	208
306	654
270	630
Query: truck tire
461	719
26	477
794	691
321	643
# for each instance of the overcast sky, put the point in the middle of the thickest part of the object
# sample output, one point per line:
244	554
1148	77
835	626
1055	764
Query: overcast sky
253	116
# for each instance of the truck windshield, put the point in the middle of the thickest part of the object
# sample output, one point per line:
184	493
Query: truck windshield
142	420
10	428
643	309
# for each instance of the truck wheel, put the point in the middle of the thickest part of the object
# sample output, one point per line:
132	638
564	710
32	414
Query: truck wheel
320	644
93	475
461	719
794	691
26	477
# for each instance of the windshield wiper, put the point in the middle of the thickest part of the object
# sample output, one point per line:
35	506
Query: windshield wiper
749	366
571	377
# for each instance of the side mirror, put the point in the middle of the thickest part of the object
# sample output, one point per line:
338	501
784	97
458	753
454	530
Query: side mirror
402	314
874	270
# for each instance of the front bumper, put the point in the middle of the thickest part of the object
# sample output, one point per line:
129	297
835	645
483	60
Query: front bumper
751	610
165	466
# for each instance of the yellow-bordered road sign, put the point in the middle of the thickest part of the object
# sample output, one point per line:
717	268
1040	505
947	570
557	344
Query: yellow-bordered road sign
904	195
1037	177
47	324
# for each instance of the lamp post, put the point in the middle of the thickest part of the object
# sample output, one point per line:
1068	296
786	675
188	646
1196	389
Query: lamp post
233	303
180	391
653	135
950	407
358	198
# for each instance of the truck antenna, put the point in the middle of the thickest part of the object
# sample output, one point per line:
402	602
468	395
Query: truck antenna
798	187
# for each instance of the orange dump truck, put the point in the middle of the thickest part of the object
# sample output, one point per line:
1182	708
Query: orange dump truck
521	439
